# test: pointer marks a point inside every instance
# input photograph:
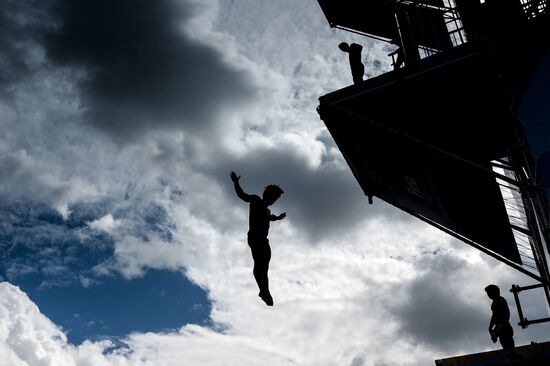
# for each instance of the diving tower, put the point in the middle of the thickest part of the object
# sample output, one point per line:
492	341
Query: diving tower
441	136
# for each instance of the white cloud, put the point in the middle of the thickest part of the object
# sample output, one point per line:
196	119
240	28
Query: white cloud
106	223
26	336
333	304
346	277
22	175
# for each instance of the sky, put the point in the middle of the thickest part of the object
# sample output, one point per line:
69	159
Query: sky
123	242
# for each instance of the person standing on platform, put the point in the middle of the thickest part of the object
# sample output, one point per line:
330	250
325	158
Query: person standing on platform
357	68
499	326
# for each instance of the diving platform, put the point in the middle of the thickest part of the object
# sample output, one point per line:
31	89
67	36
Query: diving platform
537	354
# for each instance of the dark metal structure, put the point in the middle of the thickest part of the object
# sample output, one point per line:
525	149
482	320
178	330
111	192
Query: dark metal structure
536	354
440	136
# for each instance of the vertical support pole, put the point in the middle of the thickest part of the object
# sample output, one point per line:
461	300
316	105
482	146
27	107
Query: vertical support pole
515	289
523	322
532	201
410	48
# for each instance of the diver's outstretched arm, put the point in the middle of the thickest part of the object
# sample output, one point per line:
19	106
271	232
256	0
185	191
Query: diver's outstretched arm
240	193
279	217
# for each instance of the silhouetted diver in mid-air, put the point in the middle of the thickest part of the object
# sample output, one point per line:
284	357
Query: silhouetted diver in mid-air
259	219
500	327
357	67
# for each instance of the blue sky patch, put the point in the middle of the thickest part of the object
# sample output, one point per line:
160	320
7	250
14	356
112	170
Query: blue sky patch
159	301
52	260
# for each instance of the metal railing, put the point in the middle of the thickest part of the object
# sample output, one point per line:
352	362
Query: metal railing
534	8
451	19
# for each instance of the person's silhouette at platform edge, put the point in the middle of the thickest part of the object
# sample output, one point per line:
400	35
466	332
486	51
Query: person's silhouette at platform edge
259	218
499	327
357	67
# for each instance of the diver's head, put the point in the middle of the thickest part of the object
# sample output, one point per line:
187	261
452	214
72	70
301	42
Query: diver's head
271	193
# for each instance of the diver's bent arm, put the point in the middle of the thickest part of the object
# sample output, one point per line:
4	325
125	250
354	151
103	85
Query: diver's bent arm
240	193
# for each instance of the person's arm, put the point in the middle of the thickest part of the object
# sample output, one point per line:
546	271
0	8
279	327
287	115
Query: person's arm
493	329
279	217
492	324
240	193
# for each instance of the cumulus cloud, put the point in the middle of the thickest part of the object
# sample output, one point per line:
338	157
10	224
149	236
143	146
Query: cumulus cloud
429	306
21	54
348	303
321	198
23	176
353	284
28	337
143	71
106	223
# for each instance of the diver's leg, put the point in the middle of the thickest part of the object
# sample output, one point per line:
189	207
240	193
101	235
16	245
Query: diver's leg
259	276
256	257
261	269
261	254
